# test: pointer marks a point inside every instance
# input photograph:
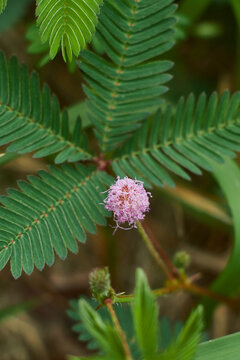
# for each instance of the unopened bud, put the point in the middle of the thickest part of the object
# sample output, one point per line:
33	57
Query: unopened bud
181	260
100	284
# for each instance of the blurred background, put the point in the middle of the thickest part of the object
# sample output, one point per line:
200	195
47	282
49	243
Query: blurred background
194	217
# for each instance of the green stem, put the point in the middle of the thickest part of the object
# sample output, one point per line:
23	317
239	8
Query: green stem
121	334
186	286
159	259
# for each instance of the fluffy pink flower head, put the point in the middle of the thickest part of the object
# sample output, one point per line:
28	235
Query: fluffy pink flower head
128	200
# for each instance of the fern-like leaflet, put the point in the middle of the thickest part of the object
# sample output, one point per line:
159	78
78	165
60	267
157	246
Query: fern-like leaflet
187	137
30	119
125	90
49	213
69	24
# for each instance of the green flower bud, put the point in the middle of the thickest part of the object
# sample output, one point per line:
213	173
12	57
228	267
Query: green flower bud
181	260
100	284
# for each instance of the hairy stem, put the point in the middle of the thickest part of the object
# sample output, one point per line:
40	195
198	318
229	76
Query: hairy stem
121	334
159	258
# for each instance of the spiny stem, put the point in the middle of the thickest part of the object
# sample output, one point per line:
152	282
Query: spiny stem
121	334
159	260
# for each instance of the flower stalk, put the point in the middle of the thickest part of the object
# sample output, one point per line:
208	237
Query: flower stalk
163	255
159	258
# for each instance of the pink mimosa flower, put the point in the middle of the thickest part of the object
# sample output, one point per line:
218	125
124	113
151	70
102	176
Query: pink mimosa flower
128	200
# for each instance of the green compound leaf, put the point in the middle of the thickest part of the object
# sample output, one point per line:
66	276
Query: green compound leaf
189	137
145	314
185	347
30	118
126	88
69	24
48	214
166	333
3	4
190	336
